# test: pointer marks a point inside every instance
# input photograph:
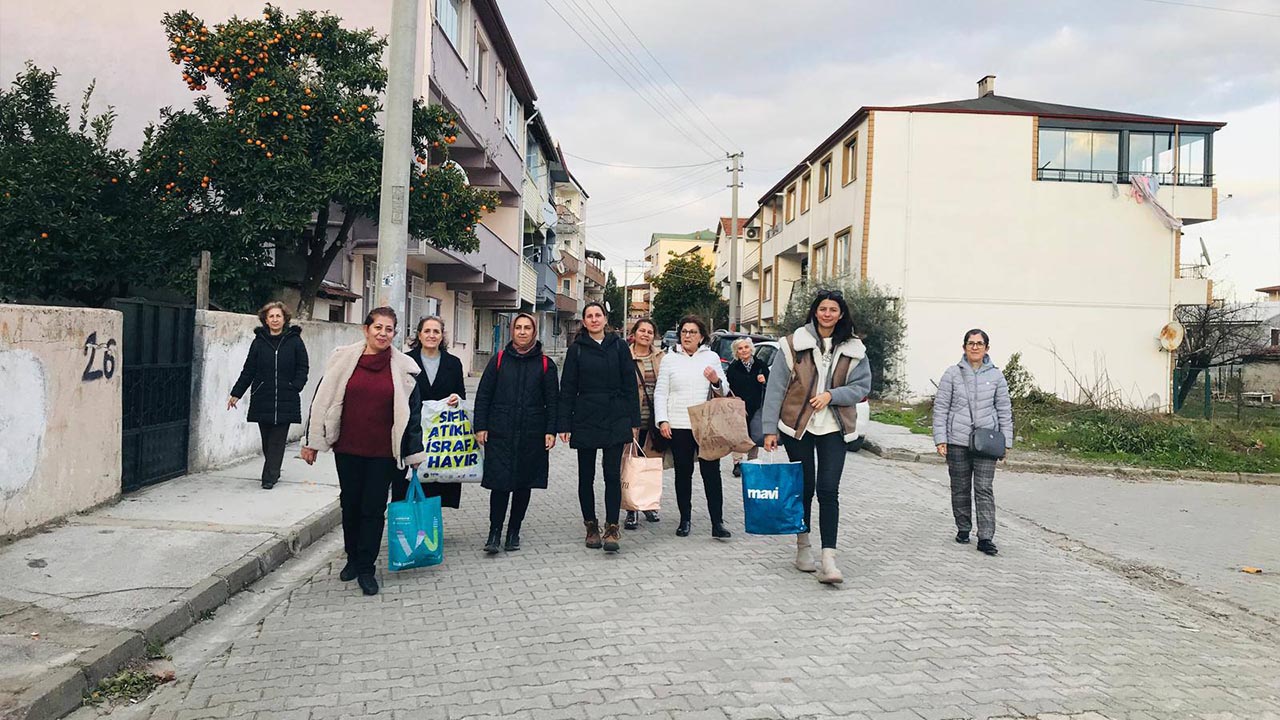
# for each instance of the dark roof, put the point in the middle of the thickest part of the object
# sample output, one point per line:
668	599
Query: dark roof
1268	289
1002	105
985	105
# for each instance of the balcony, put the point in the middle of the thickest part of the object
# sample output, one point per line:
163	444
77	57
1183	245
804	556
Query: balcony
570	262
750	311
492	274
595	275
528	284
566	306
752	267
1192	291
772	231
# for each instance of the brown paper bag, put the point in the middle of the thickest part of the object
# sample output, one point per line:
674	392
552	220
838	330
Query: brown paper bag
720	427
641	480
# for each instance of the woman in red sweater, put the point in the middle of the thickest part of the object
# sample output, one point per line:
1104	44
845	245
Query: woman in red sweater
367	410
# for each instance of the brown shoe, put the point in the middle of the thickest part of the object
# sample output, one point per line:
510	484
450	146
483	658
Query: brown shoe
611	537
593	534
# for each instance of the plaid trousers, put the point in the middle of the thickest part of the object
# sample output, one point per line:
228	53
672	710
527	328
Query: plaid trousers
972	485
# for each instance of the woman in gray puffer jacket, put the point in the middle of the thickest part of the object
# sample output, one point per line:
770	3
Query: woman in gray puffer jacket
955	417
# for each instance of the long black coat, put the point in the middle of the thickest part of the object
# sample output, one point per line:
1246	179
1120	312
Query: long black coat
516	404
744	383
274	373
449	380
599	399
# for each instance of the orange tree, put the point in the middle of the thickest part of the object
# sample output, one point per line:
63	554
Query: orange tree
74	226
290	155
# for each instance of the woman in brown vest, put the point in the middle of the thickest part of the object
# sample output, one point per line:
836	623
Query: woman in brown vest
818	377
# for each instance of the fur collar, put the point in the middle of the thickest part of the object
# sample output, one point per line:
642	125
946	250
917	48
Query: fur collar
806	338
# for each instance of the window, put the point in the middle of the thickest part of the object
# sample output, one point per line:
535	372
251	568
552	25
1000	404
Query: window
849	160
805	187
568	286
767	282
1192	159
462	315
1078	155
370	284
824	179
338	312
791	203
511	120
842	258
447	16
1275	337
480	64
820	261
1151	153
531	157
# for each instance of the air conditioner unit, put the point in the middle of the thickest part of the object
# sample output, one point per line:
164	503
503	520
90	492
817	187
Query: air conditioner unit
753	233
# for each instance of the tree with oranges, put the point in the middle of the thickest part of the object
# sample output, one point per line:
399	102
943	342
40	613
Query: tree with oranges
283	150
74	226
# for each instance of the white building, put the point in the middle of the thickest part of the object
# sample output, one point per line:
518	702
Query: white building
1011	215
748	241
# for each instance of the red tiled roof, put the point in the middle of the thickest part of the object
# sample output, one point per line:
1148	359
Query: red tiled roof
726	223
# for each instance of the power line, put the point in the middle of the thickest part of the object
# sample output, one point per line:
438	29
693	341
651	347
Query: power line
660	212
628	83
642	167
668	74
670	187
627	55
1210	7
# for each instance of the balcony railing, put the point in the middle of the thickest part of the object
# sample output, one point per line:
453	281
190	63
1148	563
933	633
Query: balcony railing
595	275
570	261
1109	176
566	304
751	311
772	231
528	282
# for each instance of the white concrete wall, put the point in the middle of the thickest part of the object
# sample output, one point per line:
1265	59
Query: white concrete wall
60	420
220	436
963	232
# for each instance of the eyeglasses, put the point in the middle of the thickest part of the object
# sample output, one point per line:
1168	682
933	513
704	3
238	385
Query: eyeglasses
975	344
690	332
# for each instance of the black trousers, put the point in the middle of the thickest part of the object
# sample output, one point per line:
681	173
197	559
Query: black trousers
274	440
830	451
612	465
363	484
498	501
683	451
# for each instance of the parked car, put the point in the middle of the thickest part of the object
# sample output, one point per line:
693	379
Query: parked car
765	352
722	342
669	339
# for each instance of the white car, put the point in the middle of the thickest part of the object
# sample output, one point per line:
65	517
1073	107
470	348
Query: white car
764	354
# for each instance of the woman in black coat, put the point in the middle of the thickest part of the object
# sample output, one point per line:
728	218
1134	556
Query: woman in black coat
440	379
747	379
515	421
599	410
275	373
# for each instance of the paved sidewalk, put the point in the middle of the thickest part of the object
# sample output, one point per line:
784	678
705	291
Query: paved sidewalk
81	599
922	629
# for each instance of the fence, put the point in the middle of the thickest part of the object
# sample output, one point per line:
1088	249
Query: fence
1222	392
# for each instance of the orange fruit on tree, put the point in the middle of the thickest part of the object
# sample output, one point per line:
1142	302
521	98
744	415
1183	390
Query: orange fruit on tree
44	235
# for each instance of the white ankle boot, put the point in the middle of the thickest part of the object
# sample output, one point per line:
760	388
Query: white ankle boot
829	574
804	555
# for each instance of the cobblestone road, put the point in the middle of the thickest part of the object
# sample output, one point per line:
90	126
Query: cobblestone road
694	628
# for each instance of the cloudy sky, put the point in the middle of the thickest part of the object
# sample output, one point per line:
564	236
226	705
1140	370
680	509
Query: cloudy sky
774	84
776	78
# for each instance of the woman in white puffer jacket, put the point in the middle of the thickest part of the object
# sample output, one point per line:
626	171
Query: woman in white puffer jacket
688	374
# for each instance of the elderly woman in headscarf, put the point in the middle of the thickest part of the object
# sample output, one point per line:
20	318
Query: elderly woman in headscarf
515	421
747	380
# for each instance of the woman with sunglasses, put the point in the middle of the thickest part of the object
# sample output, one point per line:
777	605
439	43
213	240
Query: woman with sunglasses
972	394
817	379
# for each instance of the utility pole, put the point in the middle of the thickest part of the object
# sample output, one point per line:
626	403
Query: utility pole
733	247
397	154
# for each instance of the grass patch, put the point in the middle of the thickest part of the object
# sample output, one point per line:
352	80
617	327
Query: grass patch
1125	437
126	686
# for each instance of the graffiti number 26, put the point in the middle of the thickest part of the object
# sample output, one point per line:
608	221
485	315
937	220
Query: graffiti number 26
91	347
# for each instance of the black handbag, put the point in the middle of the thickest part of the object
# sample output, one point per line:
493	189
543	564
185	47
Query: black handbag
984	442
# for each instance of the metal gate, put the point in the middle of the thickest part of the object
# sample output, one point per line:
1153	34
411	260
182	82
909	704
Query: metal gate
156	366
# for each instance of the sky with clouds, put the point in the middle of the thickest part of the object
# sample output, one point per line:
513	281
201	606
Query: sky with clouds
774	79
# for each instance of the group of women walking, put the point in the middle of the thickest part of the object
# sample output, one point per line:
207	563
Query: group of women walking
612	393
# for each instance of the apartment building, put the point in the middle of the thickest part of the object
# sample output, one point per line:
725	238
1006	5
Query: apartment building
662	246
747	239
1025	218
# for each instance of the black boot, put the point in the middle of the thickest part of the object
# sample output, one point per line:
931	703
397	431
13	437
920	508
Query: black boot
682	530
513	539
988	547
632	520
651	516
348	572
493	545
719	531
962	537
368	584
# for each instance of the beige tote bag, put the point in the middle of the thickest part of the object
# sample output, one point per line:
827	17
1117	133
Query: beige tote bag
720	427
641	480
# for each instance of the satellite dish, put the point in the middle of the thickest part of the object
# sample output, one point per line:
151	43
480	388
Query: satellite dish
1171	336
1204	253
608	307
454	164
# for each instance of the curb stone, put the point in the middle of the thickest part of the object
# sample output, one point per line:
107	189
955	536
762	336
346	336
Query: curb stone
61	691
1055	468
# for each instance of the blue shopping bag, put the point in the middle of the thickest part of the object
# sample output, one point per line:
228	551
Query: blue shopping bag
773	497
414	529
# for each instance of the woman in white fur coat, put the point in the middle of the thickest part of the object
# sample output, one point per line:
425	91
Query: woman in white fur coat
368	412
689	372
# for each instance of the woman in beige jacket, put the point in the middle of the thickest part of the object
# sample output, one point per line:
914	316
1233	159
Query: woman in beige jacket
648	362
368	412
